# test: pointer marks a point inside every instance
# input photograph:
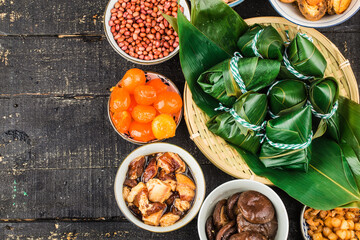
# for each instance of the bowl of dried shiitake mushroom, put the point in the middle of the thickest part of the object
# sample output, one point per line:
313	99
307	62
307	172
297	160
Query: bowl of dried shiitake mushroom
159	187
334	224
243	209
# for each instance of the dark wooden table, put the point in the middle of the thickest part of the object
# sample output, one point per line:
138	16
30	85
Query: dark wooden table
58	151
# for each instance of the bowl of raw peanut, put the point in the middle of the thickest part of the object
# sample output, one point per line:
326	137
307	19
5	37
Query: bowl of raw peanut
335	224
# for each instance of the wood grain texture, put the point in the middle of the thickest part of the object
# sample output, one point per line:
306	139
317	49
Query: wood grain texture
58	152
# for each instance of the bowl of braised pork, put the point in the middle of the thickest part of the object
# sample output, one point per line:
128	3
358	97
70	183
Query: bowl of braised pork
243	209
159	187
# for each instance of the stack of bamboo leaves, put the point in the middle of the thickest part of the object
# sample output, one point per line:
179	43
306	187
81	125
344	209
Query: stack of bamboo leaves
270	100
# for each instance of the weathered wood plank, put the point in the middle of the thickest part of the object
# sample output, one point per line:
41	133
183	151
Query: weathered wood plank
64	202
50	67
58	133
66	66
64	230
55	17
86	17
69	193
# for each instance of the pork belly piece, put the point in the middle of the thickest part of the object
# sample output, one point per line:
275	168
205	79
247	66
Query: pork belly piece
172	184
150	171
141	200
153	219
182	205
168	219
186	187
134	210
134	191
130	183
172	198
154	213
159	191
171	162
168	178
136	168
126	191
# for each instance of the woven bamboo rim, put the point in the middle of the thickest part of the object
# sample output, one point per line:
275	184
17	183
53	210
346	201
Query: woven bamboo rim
223	155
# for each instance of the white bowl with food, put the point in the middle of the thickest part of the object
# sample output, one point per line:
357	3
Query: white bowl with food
338	223
125	23
159	187
244	208
316	13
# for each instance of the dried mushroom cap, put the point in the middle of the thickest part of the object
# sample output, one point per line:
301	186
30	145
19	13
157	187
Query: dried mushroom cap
219	215
210	228
222	231
247	236
231	203
312	12
256	207
268	229
228	233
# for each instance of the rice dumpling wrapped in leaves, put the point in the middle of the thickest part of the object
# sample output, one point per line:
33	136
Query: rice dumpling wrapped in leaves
256	74
262	41
305	60
287	144
286	96
226	125
323	96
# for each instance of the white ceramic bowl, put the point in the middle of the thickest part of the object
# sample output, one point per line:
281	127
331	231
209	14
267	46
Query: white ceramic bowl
116	47
293	14
304	226
191	163
235	3
229	188
171	88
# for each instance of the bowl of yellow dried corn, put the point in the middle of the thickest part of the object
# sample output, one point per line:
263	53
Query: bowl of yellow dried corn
334	224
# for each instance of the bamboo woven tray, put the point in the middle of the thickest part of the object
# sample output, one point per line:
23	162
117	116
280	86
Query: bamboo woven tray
216	149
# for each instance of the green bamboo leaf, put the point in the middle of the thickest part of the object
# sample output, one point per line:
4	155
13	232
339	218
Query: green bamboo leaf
258	73
219	82
324	186
305	58
293	128
197	57
270	44
225	125
172	21
214	19
287	96
351	166
349	113
213	83
323	94
199	51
